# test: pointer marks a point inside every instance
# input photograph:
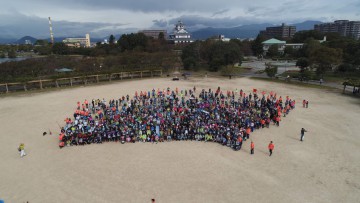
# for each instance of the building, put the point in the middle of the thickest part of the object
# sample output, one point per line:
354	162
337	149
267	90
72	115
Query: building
78	42
283	31
282	45
345	28
180	35
223	38
268	43
154	33
28	42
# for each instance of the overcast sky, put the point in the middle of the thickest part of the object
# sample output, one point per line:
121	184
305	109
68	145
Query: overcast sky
105	17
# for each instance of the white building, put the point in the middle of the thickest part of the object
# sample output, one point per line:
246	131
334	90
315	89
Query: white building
282	45
268	43
180	35
78	42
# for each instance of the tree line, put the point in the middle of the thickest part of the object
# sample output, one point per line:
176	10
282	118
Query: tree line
213	55
131	52
338	54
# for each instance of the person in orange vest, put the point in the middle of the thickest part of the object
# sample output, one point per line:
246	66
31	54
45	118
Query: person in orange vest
78	105
262	122
252	147
248	130
271	147
86	103
240	140
278	119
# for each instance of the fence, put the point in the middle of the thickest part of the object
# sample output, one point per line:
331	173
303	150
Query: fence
72	81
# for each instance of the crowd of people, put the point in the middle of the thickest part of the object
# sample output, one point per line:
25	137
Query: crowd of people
225	117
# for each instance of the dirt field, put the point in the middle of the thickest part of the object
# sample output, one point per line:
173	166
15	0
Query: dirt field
323	168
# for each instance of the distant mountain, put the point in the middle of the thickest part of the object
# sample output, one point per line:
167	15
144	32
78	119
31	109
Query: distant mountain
306	25
7	40
245	31
33	40
23	40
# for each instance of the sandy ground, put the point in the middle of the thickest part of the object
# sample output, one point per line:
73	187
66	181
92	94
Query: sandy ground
323	168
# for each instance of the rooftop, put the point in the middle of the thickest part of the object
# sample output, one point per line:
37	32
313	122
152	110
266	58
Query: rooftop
274	41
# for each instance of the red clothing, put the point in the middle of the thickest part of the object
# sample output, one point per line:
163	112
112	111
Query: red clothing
252	145
271	146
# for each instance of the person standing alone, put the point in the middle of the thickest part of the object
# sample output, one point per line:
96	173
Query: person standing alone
252	147
302	134
271	147
22	150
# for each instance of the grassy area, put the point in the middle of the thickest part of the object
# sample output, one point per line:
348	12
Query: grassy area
230	70
328	77
301	84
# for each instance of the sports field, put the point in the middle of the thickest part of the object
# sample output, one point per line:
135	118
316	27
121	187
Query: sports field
323	168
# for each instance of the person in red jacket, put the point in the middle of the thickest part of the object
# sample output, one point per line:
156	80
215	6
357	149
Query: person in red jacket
271	147
252	147
278	119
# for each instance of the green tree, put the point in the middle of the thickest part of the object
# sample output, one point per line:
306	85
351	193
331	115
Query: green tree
12	53
190	63
273	51
302	36
60	48
289	51
111	39
345	67
310	46
257	46
191	51
43	50
161	36
303	64
324	58
270	70
133	41
41	42
2	55
216	64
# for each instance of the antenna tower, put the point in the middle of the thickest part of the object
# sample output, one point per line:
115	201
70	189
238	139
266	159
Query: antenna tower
51	32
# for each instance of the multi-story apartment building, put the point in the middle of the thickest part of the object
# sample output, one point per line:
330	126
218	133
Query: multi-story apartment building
283	31
345	28
78	42
154	33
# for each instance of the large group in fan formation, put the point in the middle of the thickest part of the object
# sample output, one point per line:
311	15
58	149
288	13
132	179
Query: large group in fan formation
158	116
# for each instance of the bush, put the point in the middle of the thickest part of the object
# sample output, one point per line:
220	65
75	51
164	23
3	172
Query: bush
343	68
228	70
271	71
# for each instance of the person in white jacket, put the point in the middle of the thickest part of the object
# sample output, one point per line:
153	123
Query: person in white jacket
22	150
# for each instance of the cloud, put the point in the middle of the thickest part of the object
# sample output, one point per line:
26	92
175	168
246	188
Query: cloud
160	23
195	21
220	12
20	25
74	18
